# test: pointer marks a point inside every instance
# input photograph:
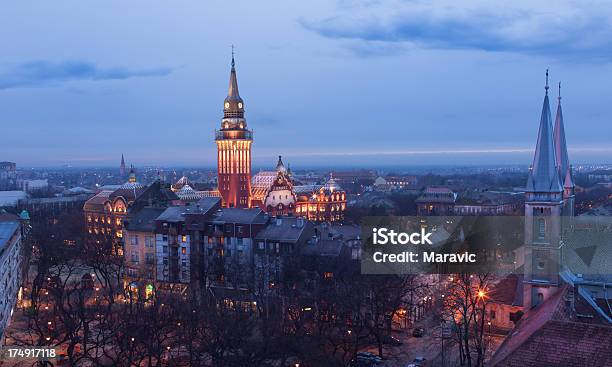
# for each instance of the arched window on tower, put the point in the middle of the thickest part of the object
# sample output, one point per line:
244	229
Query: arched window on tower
541	228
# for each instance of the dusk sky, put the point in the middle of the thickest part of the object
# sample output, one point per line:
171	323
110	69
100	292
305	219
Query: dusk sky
337	83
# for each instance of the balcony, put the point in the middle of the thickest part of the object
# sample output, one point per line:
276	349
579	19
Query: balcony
240	134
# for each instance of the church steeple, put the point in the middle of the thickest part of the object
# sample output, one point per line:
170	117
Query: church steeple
563	165
280	166
544	174
122	167
233	105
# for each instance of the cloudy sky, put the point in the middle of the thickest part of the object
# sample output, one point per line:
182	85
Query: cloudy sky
324	82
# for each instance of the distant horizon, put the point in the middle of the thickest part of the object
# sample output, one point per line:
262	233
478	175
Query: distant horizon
344	83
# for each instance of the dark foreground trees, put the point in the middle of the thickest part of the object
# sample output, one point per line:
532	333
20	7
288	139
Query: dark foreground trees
78	303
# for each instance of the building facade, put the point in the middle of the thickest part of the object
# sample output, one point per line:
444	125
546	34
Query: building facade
436	200
10	270
276	193
549	197
234	141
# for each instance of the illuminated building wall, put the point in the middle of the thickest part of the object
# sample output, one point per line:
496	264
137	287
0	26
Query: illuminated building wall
234	150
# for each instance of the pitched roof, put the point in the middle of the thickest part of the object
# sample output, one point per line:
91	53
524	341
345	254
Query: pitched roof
144	219
550	335
285	229
560	144
7	229
240	215
544	176
508	291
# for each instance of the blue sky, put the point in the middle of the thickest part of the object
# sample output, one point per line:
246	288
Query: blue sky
324	82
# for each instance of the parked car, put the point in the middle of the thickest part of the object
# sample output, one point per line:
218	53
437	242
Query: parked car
418	332
366	359
391	340
418	362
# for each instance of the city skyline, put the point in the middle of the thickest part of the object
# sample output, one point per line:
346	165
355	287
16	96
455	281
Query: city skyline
162	85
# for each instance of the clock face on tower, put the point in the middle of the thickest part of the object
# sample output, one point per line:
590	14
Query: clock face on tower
239	104
226	105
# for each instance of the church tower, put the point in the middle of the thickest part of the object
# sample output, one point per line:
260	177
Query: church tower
565	169
544	206
234	149
122	167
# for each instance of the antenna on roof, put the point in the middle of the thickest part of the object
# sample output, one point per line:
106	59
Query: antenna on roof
233	63
559	97
546	87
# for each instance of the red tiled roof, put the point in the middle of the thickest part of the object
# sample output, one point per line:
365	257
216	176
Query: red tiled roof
545	337
508	291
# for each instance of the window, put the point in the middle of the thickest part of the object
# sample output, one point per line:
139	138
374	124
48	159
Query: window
135	257
165	249
261	245
540	298
541	228
184	250
134	240
492	315
184	238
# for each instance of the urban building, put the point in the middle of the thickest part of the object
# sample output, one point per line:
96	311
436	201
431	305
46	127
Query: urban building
234	141
8	175
489	203
276	194
436	200
10	269
565	313
33	185
276	250
549	196
139	244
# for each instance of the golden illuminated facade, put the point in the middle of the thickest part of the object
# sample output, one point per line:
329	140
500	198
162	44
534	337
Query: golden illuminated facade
234	150
275	193
106	211
327	204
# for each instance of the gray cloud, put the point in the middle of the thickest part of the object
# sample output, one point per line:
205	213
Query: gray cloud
41	72
568	30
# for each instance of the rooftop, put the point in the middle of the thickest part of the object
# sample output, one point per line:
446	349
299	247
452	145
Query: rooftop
555	334
143	220
285	229
7	230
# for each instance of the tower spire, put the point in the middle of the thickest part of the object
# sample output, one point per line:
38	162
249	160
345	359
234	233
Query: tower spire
544	177
561	155
122	166
233	105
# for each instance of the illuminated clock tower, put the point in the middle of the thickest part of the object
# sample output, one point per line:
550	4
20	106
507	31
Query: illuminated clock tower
234	150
